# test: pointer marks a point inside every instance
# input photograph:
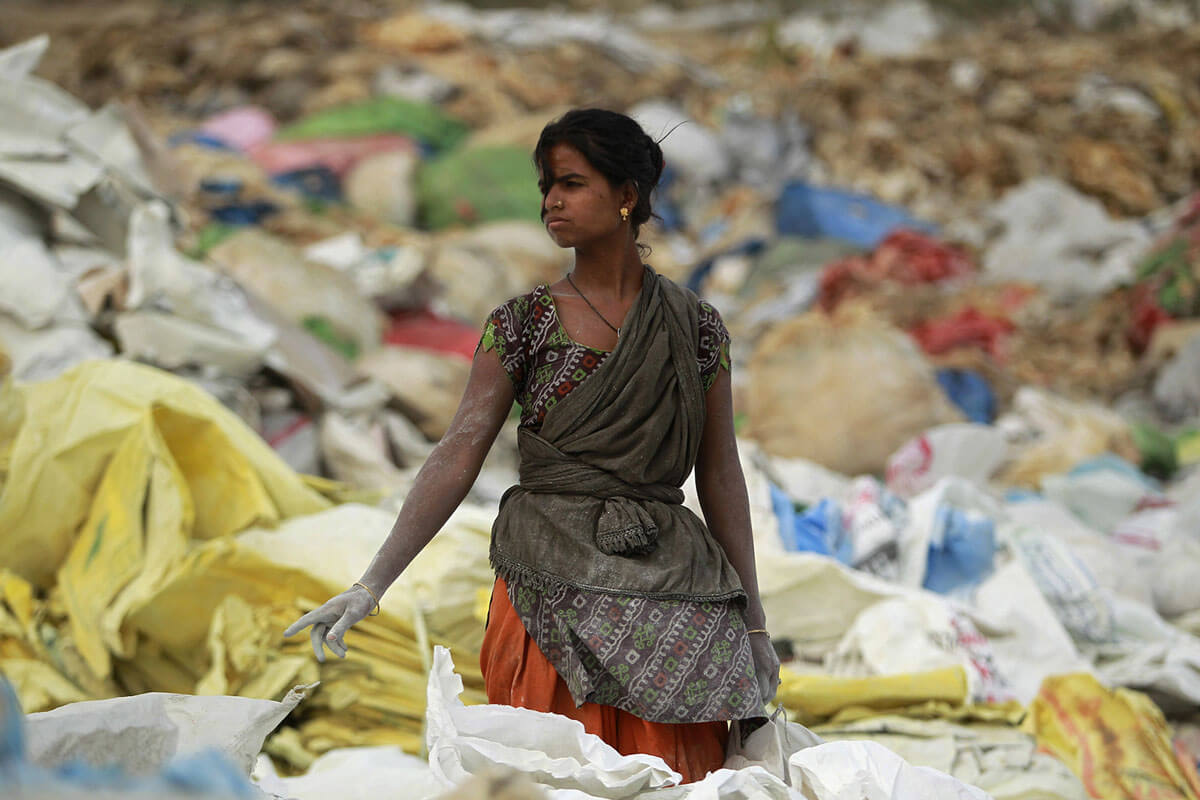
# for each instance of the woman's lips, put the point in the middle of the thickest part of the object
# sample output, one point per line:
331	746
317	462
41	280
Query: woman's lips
555	222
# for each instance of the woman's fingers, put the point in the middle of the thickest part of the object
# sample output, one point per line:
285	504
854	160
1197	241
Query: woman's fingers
766	667
318	638
304	621
336	645
334	637
329	624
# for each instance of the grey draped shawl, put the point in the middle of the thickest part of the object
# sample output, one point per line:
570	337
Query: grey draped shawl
599	504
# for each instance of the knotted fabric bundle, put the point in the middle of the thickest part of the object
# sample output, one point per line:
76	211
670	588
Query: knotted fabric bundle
599	505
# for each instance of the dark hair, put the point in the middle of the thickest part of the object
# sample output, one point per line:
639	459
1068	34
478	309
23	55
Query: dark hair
615	145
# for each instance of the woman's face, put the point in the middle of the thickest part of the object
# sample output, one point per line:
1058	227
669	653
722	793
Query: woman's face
579	205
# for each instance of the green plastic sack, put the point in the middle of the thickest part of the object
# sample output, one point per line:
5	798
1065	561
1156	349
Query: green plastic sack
1159	457
485	184
422	121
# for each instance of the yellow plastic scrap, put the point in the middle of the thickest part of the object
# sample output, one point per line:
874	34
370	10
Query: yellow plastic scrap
1187	449
124	487
242	642
179	613
17	594
1010	713
135	531
814	698
1117	742
70	430
39	686
216	623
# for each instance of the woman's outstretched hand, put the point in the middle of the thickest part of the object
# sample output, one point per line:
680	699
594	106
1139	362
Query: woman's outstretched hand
766	666
332	619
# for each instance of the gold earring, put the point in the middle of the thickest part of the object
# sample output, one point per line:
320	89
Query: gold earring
624	214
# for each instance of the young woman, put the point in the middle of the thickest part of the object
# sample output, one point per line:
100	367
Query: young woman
613	603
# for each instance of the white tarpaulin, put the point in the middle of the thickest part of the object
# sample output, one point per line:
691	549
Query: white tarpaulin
140	734
553	750
571	764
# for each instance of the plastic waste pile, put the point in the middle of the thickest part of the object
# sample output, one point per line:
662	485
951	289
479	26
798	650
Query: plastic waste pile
245	254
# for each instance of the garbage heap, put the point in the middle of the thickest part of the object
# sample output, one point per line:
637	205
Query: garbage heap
246	253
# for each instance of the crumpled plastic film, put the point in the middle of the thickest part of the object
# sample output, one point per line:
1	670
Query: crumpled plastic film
1116	741
74	427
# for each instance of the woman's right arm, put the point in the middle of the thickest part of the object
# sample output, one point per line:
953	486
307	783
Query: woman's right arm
441	484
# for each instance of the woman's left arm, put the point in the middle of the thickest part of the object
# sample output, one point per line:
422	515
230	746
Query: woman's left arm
722	489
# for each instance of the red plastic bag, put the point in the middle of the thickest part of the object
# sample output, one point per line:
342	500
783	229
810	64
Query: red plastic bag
968	328
905	257
427	330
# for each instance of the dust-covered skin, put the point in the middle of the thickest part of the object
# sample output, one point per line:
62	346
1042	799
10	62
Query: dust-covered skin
441	484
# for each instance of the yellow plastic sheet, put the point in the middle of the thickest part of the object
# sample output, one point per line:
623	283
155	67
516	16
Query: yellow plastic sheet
1117	742
71	428
375	695
814	698
121	574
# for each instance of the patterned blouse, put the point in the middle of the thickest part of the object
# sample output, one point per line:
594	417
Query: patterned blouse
664	661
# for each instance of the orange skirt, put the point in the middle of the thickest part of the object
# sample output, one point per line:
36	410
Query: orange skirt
516	673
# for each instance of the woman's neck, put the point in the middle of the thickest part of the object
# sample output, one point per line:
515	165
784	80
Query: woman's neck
616	269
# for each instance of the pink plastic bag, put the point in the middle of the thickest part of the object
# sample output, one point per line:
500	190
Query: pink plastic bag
242	128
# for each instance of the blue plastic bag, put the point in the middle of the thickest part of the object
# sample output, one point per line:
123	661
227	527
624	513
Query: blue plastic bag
244	213
815	211
962	550
319	183
818	529
969	391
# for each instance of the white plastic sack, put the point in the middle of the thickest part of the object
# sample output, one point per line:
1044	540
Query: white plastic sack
551	749
356	452
47	353
1044	221
354	773
140	734
36	288
163	279
20	60
1151	655
752	783
874	519
1101	492
1106	561
173	342
869	771
998	759
1175	567
1079	602
769	747
917	633
961	450
813	600
1027	639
